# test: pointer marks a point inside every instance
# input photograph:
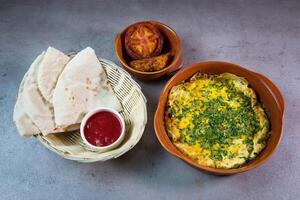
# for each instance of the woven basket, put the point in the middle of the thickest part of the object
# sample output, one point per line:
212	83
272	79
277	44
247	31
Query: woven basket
70	145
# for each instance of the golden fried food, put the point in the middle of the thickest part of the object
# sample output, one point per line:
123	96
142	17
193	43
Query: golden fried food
143	40
152	64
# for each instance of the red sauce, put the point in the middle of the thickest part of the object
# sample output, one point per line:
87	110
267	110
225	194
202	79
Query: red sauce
102	129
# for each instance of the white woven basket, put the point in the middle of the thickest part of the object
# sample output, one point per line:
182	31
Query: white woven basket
71	146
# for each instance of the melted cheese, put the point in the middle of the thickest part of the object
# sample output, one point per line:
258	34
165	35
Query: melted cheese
207	119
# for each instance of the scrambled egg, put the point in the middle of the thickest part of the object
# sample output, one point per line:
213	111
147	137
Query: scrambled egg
216	120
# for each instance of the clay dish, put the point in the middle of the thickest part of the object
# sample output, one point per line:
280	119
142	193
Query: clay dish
171	44
266	91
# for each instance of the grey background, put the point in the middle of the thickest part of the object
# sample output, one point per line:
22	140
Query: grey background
262	35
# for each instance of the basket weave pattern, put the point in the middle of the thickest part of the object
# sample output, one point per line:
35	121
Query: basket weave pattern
70	145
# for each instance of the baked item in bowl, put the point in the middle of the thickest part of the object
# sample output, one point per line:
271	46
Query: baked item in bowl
225	132
152	64
143	40
216	120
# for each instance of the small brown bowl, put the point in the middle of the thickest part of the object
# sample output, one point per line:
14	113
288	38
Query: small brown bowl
264	88
171	44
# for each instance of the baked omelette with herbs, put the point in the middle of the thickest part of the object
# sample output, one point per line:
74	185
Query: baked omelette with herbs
216	120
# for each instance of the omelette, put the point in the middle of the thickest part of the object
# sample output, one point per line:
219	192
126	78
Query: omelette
216	120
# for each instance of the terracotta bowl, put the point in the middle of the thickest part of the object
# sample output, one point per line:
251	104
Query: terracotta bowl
171	44
265	90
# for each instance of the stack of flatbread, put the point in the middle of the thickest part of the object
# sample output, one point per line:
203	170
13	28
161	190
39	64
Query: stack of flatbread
56	92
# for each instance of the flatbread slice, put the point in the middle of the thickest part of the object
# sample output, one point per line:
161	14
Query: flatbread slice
35	106
49	70
24	124
82	86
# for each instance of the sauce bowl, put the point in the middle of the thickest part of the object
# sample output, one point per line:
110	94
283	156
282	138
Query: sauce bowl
111	146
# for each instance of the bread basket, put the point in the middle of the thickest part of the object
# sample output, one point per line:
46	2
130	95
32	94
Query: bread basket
70	145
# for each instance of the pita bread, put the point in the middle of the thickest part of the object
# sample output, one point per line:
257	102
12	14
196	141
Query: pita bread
23	123
49	70
35	106
82	86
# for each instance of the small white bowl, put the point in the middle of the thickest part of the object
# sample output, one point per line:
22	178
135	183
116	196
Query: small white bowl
104	148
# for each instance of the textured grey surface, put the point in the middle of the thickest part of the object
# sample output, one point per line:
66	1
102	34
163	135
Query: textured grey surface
262	35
